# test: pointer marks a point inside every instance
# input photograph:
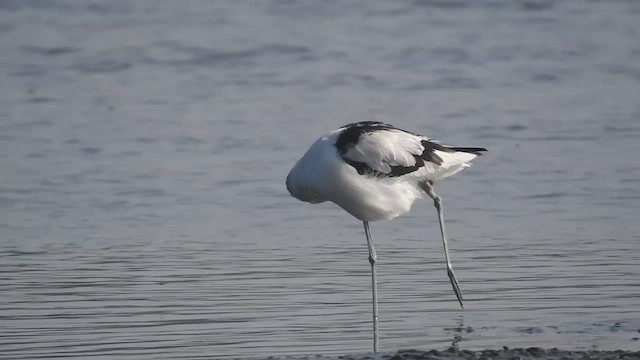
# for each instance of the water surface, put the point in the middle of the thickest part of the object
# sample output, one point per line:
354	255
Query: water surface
144	146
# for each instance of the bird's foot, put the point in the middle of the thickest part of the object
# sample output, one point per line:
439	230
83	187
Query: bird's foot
454	283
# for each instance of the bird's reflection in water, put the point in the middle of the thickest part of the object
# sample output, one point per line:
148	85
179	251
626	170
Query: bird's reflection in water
457	332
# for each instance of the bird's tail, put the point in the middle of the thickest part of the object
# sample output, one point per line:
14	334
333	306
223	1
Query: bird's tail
454	159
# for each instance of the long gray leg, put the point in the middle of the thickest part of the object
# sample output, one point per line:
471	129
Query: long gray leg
437	202
374	283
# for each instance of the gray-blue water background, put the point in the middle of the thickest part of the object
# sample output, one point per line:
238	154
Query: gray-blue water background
144	147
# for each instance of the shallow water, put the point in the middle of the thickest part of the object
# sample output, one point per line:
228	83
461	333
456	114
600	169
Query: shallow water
144	146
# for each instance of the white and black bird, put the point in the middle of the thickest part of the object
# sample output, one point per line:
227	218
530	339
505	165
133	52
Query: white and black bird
376	171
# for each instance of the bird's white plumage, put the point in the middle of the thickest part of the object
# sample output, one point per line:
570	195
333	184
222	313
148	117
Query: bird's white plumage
323	175
375	171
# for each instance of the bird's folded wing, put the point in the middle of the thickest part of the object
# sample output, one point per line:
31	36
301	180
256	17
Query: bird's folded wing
386	148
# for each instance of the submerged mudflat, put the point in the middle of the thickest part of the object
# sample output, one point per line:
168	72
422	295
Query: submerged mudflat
505	353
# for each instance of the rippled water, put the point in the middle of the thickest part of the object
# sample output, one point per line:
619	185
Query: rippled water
144	146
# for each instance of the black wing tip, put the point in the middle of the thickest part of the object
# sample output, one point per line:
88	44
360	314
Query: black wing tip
472	150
